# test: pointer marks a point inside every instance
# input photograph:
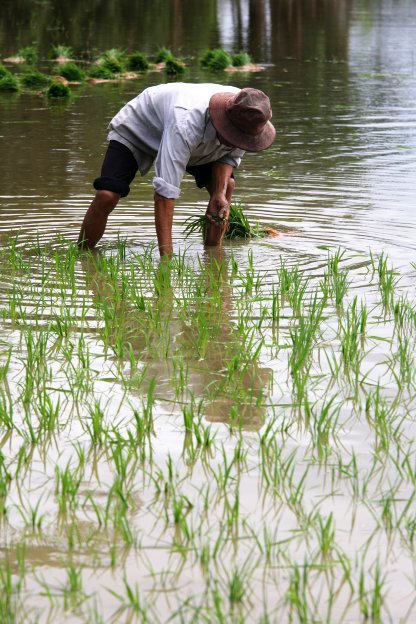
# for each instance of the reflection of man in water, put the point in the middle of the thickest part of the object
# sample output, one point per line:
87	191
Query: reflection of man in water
229	393
203	129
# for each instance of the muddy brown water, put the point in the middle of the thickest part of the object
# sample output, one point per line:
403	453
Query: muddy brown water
341	77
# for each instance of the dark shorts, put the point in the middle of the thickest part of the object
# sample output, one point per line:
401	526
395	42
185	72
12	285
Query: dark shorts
120	167
202	174
118	170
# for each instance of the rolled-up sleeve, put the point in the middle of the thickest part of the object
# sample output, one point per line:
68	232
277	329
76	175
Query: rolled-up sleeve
233	158
171	162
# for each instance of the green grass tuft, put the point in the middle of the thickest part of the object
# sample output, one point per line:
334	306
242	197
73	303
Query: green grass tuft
30	54
114	60
174	67
3	71
101	72
137	61
71	72
215	60
162	55
57	90
61	51
241	59
9	83
35	80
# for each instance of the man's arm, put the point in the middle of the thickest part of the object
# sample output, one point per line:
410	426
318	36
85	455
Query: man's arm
220	189
163	221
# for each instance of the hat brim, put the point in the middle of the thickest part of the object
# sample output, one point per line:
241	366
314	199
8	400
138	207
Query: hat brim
233	135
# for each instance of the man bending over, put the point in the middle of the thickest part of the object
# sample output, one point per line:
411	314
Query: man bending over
203	129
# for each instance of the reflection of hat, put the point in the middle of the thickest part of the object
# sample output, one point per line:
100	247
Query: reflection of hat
242	118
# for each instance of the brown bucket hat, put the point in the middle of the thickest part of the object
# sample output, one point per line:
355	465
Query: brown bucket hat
243	118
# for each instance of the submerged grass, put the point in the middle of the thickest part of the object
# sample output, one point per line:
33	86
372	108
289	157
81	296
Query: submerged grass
205	420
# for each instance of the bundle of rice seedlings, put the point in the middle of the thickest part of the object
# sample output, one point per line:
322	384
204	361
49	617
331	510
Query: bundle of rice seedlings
138	62
113	60
174	67
215	60
162	55
9	83
71	72
100	72
58	90
61	53
3	71
238	225
29	54
34	80
241	59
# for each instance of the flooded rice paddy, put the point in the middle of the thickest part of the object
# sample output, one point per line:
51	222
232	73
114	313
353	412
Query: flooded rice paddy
223	437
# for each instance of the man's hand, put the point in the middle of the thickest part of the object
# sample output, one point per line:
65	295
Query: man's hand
218	209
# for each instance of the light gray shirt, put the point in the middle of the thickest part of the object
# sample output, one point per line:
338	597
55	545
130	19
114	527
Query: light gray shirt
170	125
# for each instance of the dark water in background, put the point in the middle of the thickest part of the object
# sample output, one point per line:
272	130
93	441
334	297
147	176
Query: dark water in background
342	80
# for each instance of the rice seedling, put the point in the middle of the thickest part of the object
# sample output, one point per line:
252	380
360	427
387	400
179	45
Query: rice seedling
70	71
100	72
9	83
304	336
29	54
215	60
296	595
60	51
387	281
3	71
175	68
162	55
131	604
34	80
8	591
114	60
352	328
58	91
238	225
139	427
240	59
137	61
371	600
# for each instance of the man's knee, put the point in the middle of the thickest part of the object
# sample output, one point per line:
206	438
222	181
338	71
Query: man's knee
230	188
106	201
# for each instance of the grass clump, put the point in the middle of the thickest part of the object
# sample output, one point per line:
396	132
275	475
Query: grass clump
71	72
215	60
35	80
29	54
61	51
9	83
241	59
58	90
162	55
114	60
238	225
137	61
3	71
101	72
174	67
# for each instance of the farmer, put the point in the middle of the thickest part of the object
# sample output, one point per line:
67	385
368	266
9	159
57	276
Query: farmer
203	129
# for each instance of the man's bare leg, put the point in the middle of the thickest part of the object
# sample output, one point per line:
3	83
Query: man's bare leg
95	220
